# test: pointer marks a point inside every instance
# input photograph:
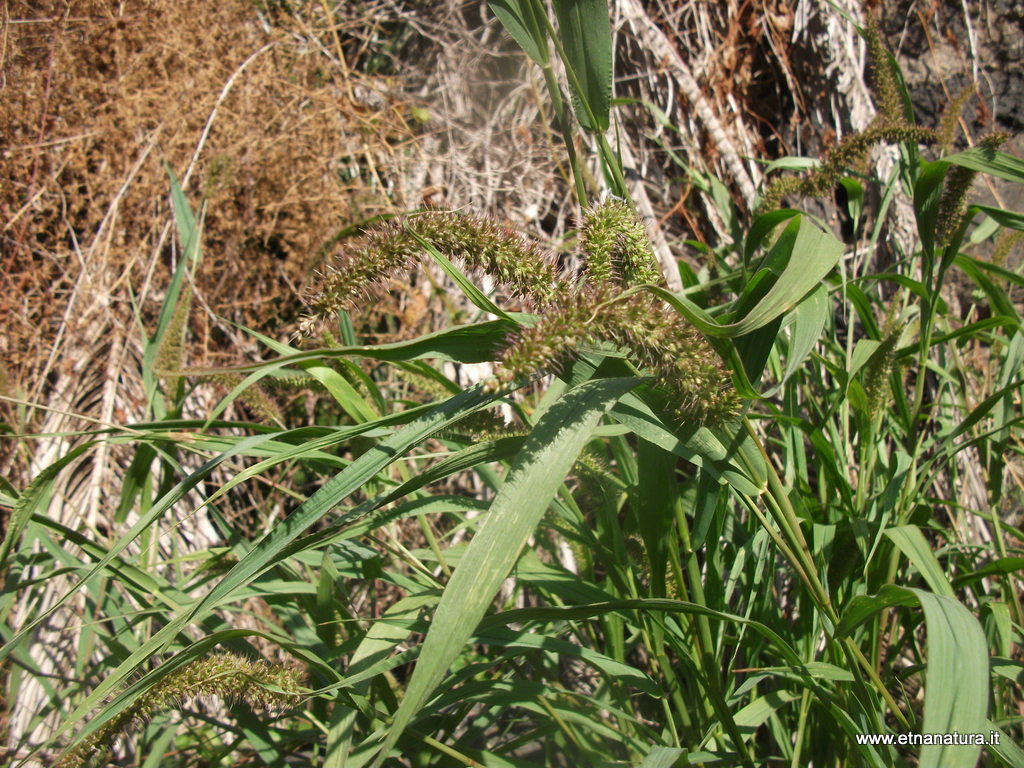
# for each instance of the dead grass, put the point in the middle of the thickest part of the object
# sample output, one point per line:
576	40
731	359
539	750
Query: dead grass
257	111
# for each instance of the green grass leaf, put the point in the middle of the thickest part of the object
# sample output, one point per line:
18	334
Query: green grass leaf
1006	748
809	320
662	757
520	19
927	194
912	543
29	500
584	27
809	254
1008	219
957	674
532	481
467	286
956	684
341	390
475	343
990	161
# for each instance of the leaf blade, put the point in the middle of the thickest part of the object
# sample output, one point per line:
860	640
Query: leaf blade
533	480
584	28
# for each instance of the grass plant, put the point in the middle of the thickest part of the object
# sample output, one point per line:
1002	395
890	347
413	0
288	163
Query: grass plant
747	523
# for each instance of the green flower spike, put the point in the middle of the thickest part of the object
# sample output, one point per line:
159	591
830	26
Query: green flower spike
957	190
683	364
481	244
617	247
224	675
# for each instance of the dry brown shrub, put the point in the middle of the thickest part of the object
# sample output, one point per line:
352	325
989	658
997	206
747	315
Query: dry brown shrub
96	95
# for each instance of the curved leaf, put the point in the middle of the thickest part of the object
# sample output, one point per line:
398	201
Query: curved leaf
957	676
812	254
990	161
519	19
534	478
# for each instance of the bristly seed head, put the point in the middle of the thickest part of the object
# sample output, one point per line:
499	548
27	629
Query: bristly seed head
851	150
618	251
225	675
883	81
619	255
662	342
890	125
956	191
481	244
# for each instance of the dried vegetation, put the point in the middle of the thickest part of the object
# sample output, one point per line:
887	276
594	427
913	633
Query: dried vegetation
255	110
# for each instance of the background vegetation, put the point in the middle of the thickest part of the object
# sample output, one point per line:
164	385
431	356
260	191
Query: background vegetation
700	446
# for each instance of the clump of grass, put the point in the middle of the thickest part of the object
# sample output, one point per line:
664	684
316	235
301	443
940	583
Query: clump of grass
777	571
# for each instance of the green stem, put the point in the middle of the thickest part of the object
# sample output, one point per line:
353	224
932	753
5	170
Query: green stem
565	128
705	644
805	706
609	158
799	556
